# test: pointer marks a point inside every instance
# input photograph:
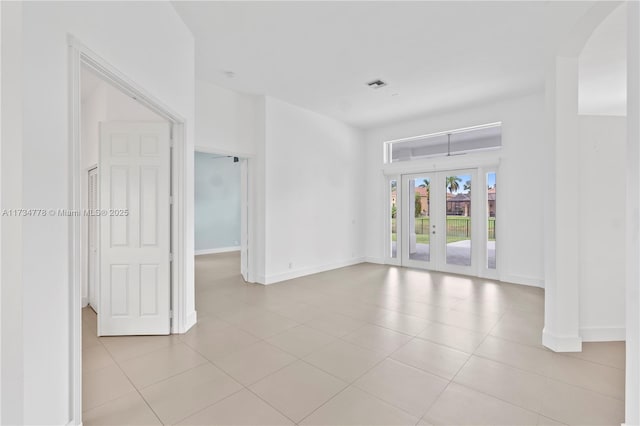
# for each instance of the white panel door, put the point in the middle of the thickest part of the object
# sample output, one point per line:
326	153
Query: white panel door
92	255
134	178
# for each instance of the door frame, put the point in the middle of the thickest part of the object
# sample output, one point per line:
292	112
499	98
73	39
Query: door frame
86	229
80	55
247	239
481	163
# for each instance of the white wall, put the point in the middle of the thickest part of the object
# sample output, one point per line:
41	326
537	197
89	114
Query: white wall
603	67
140	40
632	376
106	103
520	197
226	120
601	215
11	335
217	203
314	192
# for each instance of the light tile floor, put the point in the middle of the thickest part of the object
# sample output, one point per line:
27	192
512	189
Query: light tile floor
363	345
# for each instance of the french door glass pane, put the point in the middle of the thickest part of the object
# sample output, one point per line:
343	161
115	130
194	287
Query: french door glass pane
393	192
419	219
458	193
491	225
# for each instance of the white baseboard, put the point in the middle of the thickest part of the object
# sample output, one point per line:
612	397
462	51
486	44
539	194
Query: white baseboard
297	273
191	320
376	260
519	279
559	343
603	334
217	250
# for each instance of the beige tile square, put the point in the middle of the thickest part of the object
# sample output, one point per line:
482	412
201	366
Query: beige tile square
103	385
432	357
186	393
298	389
402	323
344	360
355	407
454	337
254	362
127	347
478	323
517	327
405	387
596	377
160	364
510	384
607	353
203	329
238	314
577	406
219	343
299	312
545	421
335	324
357	310
241	408
95	357
377	338
129	409
459	405
267	324
89	338
301	341
530	358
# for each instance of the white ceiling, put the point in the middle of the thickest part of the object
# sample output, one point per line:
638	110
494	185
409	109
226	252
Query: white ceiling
435	56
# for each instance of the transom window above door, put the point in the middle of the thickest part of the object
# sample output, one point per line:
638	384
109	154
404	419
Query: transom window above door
445	144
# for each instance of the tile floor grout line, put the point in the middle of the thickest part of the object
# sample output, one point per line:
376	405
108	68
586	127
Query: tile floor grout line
209	406
270	405
546	376
134	387
310	292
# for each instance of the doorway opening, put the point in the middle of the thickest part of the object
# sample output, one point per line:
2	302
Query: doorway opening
435	221
221	209
125	156
140	203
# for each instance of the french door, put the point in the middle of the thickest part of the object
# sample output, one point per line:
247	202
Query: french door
444	221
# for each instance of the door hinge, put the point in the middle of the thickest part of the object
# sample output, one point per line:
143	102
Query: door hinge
170	257
170	199
171	314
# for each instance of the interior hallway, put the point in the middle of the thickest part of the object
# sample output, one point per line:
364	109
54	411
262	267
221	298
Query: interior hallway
368	344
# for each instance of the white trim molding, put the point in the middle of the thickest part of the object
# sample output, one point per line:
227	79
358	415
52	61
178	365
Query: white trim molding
522	280
603	334
217	250
559	343
297	273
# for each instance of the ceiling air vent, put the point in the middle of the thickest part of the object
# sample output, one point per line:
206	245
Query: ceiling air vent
376	84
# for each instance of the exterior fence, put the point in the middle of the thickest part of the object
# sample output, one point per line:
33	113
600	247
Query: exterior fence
458	227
